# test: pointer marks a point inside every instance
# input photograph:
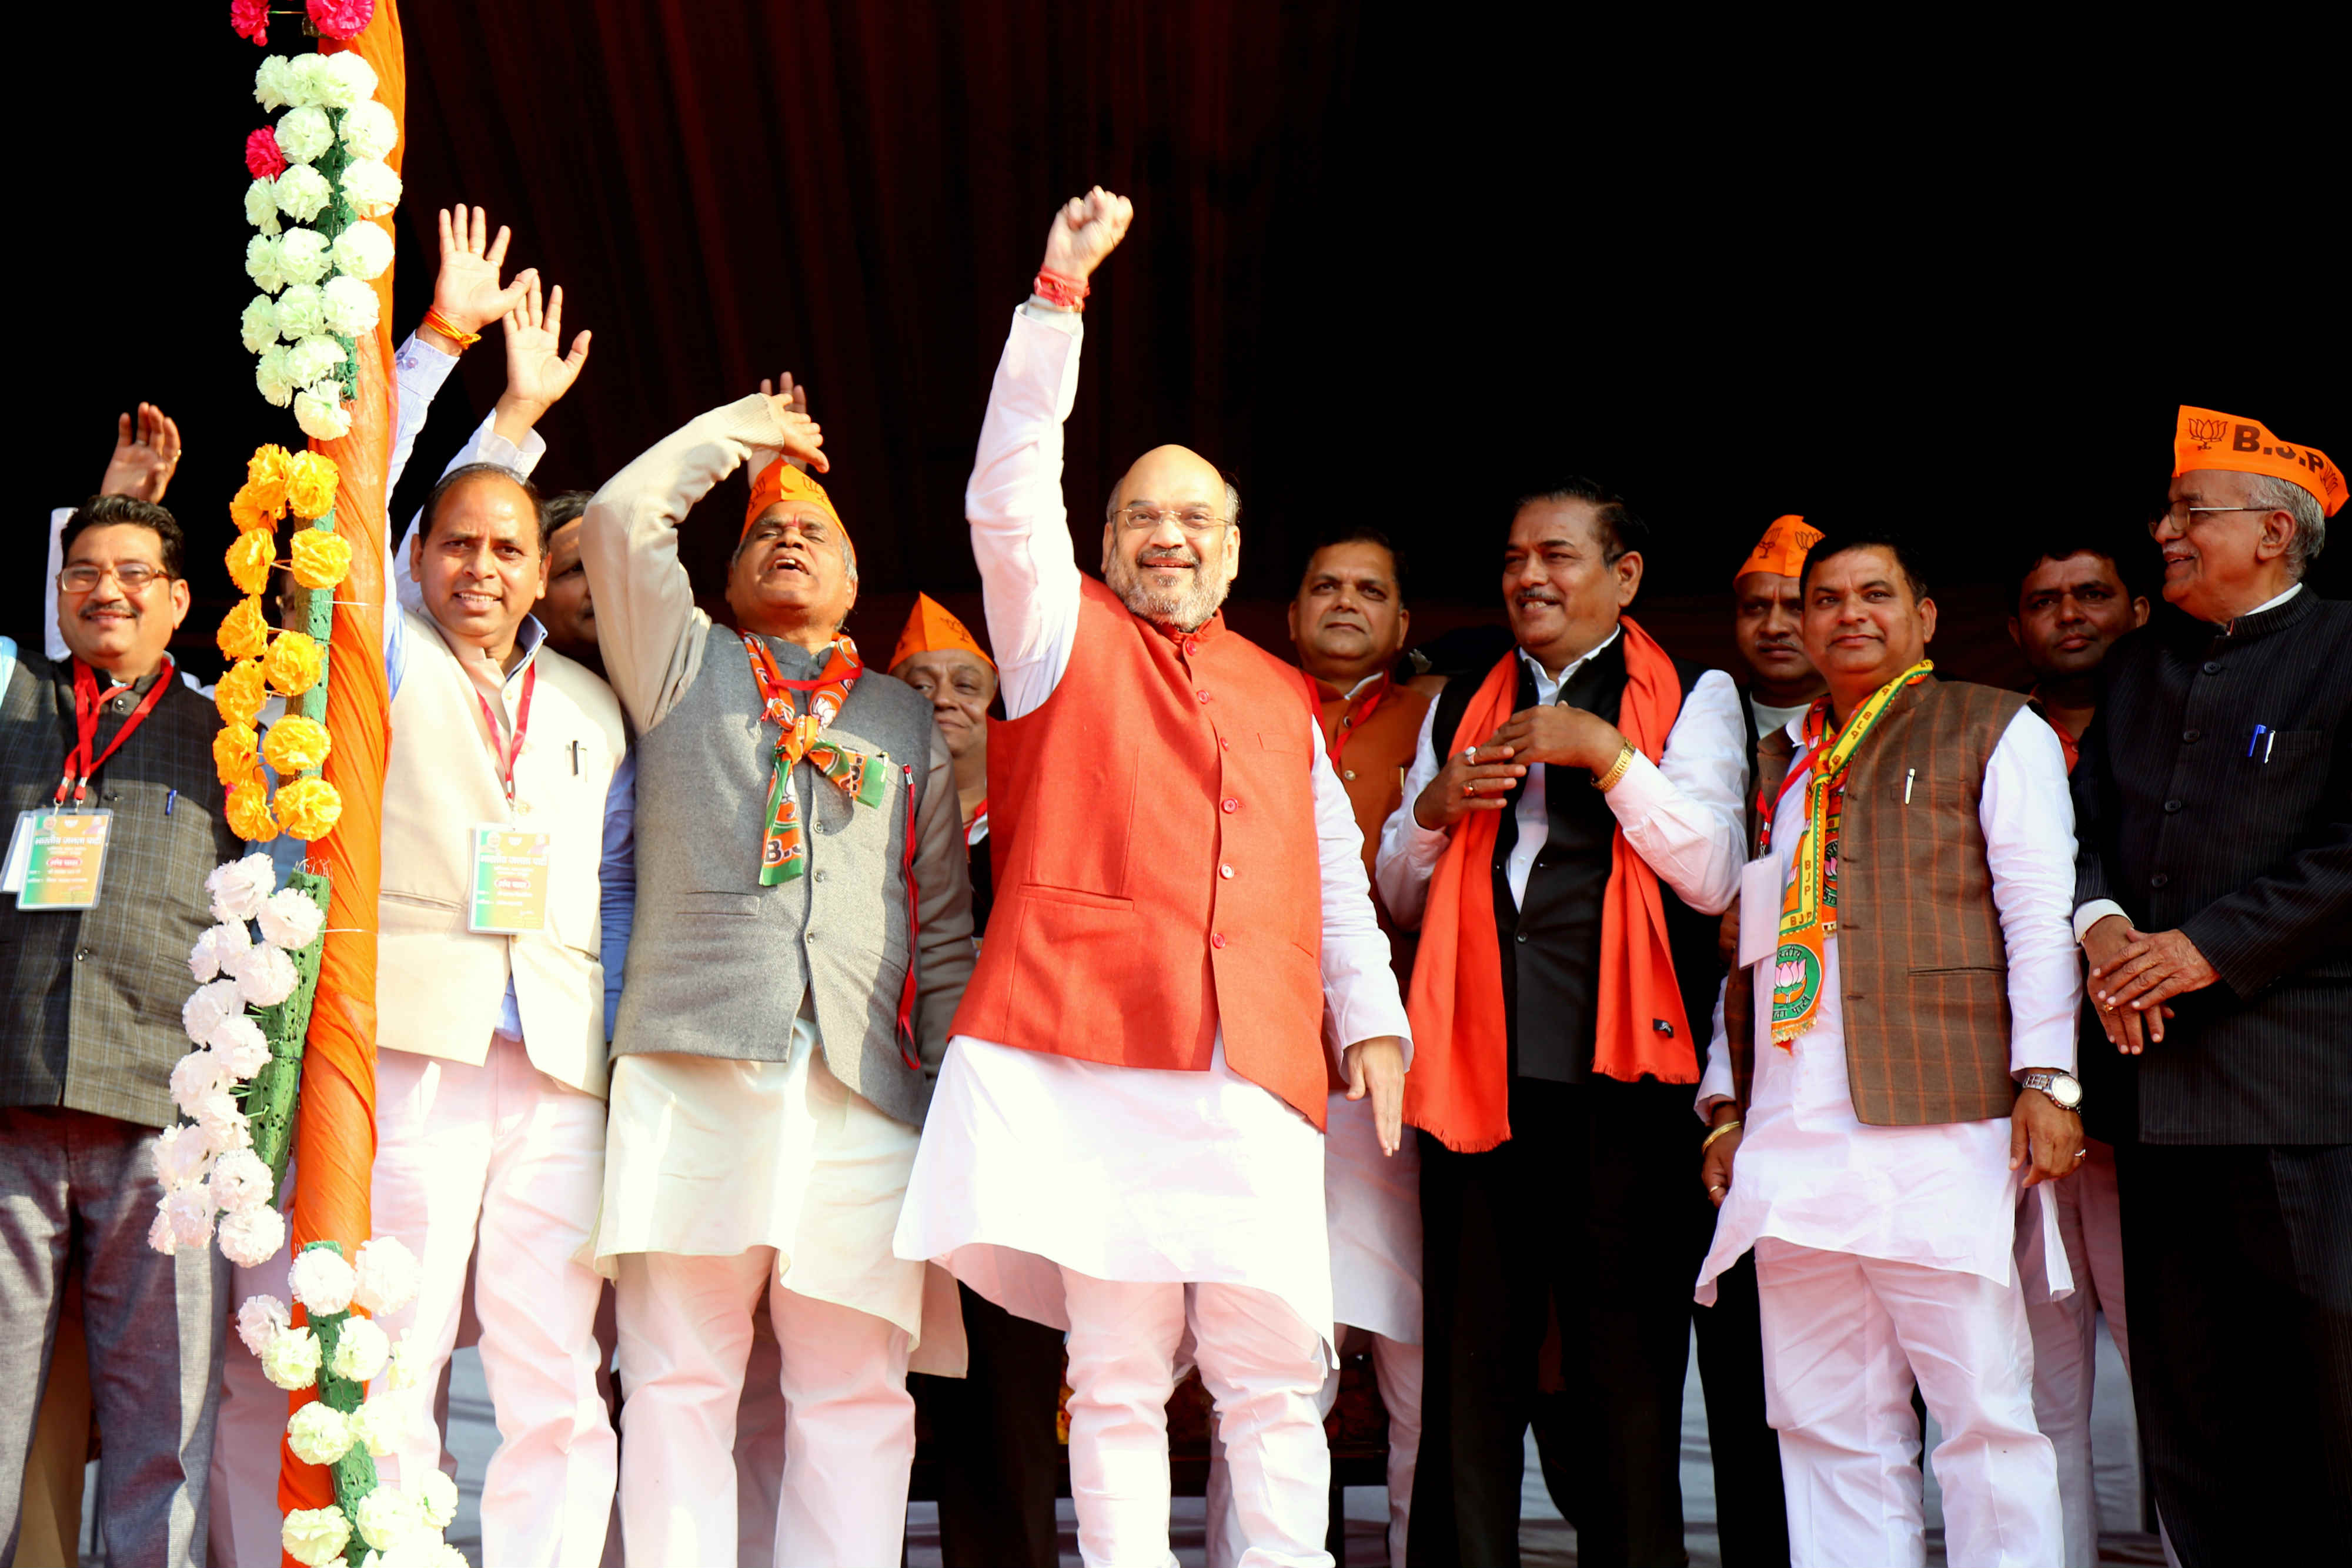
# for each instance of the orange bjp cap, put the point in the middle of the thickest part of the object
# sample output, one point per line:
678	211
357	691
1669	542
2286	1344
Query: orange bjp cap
1781	550
780	481
2204	439
930	628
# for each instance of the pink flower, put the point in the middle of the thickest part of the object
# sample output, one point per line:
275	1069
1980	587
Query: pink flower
250	19
340	18
262	159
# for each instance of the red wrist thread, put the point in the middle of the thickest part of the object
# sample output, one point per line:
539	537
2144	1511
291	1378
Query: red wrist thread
1063	293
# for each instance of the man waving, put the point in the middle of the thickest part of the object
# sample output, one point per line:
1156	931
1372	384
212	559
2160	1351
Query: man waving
1127	1137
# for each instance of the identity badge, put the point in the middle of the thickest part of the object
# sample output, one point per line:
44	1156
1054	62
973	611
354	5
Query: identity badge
57	858
510	880
1760	910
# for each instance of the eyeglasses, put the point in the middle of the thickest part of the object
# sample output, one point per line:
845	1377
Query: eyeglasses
1196	521
2179	513
135	576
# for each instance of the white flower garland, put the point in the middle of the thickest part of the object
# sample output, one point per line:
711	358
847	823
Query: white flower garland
329	105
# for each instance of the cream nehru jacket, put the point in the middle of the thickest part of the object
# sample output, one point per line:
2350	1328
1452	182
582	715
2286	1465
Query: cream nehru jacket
439	986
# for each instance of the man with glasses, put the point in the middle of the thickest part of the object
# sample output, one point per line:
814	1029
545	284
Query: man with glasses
1126	1140
106	739
2214	902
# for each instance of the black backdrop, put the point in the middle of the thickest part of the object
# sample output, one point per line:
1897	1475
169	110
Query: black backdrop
1390	264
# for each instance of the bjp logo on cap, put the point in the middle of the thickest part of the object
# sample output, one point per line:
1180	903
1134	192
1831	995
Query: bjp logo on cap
2206	431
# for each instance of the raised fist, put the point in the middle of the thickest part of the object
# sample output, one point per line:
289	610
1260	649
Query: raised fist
1086	230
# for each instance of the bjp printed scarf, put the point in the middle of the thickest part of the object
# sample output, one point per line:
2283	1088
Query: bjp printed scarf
1808	907
783	853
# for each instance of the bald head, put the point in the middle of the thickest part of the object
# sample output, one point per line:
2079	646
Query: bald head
1171	537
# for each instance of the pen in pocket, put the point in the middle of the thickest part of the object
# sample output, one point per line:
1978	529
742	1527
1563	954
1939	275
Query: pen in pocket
168	799
2256	739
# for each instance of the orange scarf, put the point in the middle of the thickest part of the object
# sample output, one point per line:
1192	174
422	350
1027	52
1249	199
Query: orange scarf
1459	1089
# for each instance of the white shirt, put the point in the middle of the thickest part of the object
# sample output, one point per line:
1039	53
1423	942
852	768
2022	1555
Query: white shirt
1683	815
1768	718
1941	1196
1033	1161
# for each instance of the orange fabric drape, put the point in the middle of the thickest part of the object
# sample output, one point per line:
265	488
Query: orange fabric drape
334	1127
1459	1089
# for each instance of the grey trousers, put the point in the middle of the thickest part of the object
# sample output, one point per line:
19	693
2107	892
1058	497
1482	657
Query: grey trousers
79	1191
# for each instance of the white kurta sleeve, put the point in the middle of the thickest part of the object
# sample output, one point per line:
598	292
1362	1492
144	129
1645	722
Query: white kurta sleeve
1359	988
419	369
1409	852
1715	1083
1020	527
1684	816
2027	818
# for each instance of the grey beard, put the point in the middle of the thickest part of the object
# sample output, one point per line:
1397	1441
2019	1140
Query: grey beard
1188	611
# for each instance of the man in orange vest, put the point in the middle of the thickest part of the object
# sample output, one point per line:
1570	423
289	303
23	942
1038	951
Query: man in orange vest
1126	1139
1571	826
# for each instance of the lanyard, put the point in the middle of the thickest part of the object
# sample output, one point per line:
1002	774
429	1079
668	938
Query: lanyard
1819	746
1351	719
505	757
80	763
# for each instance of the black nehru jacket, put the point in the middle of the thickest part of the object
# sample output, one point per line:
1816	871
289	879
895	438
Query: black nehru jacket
2189	819
1552	941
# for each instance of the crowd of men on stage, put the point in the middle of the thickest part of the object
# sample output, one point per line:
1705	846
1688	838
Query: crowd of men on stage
1107	1002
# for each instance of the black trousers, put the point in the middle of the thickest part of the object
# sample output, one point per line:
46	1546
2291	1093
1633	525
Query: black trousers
1000	1458
1592	1210
1751	1511
2239	1263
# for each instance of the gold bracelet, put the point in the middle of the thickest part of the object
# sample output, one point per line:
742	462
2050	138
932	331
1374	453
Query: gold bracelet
1604	782
1708	1142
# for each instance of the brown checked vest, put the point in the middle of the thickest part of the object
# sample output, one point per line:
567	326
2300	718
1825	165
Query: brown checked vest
1925	976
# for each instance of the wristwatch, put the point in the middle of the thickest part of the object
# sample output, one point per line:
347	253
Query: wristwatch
2065	1090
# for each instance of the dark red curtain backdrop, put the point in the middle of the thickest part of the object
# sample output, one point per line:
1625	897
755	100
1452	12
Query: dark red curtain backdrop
859	194
1391	263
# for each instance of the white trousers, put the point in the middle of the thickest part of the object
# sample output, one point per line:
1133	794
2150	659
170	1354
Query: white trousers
1265	1370
2065	1361
505	1153
1397	1367
1844	1337
849	1423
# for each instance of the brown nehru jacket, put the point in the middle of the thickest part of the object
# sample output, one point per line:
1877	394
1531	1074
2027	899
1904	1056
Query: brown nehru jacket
1925	973
1377	734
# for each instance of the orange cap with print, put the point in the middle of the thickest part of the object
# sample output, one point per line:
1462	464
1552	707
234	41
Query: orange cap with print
930	628
1781	550
780	481
2204	439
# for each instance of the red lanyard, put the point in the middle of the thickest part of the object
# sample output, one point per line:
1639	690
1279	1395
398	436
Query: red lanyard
1352	720
80	763
505	757
1817	747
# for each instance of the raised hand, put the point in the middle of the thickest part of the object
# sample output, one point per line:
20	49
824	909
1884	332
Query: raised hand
796	394
1084	231
467	293
538	370
146	456
803	440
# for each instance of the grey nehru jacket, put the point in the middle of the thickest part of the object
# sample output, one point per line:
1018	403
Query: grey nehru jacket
91	1019
720	965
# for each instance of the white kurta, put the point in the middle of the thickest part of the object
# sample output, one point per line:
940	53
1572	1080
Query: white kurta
1942	1195
1032	1162
709	1157
1372	1204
